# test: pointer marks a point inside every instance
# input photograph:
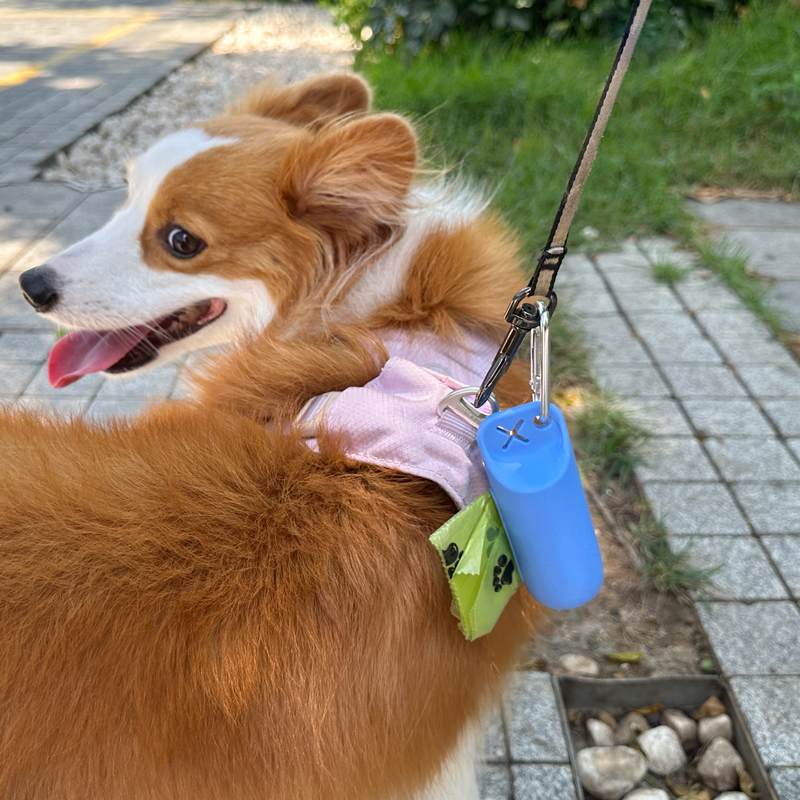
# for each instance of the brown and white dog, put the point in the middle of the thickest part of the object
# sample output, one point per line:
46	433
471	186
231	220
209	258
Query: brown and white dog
194	605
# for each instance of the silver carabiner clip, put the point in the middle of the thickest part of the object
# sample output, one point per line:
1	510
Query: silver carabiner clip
456	402
540	363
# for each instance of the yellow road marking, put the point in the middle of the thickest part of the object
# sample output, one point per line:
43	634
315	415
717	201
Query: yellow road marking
23	74
85	13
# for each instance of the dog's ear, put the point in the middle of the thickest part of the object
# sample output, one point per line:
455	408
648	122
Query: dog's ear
312	102
352	176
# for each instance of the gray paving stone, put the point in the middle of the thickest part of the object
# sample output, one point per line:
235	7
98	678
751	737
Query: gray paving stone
771	706
494	739
785	296
659	250
631	279
786	781
87	386
157	383
674	339
658	300
771	507
707	294
731	324
762	638
659	416
785	552
494	783
14	377
733	213
38	200
31	348
769	381
637	382
774	254
794	446
66	406
744	573
118	408
534	728
753	459
587	302
736	416
703	380
543	782
623	259
94	212
744	351
610	341
696	508
675	459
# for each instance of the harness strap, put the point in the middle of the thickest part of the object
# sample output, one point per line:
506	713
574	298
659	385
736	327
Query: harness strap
522	316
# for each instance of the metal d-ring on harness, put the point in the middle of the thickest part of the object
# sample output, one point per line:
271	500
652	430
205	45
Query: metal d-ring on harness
524	311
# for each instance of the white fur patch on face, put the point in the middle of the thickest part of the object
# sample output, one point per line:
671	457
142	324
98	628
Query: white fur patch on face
104	284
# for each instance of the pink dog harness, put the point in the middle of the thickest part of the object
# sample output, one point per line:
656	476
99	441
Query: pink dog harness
393	420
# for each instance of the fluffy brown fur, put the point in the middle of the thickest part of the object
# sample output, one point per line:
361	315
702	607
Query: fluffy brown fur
195	606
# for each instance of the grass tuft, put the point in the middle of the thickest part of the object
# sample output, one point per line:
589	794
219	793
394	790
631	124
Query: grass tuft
665	569
668	273
610	441
729	260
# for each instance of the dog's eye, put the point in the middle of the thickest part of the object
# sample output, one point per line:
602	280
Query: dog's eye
182	243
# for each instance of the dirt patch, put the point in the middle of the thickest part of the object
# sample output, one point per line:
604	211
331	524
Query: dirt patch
625	616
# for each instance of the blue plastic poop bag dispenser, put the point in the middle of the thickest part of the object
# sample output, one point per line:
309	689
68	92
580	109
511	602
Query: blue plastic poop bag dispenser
537	489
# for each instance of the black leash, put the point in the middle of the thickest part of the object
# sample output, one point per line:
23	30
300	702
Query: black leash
524	316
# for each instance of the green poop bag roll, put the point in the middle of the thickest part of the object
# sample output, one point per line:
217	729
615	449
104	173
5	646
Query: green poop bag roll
479	565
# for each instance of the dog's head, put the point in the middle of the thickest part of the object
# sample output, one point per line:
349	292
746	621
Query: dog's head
227	227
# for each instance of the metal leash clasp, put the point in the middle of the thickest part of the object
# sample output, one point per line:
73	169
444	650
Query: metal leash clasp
456	401
540	363
523	317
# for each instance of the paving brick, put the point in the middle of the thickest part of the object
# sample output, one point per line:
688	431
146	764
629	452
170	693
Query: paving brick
659	416
734	213
534	727
794	446
631	279
660	250
771	507
637	382
744	351
730	324
696	508
761	638
774	254
786	781
494	783
31	348
586	302
785	552
494	739
745	572
679	458
14	377
117	408
543	782
785	297
753	459
674	338
658	300
785	414
65	406
627	256
769	381
610	341
707	294
38	200
732	417
157	383
771	706
703	380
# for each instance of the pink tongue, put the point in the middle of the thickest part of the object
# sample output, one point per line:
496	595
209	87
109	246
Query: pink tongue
82	352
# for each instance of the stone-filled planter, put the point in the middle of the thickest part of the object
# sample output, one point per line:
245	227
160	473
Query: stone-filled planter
686	693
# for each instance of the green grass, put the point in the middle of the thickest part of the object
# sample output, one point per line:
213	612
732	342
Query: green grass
723	113
668	273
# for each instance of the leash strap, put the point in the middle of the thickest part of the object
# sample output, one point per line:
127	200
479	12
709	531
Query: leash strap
524	316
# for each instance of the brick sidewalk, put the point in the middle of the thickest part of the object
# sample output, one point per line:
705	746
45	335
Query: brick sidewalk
722	398
86	64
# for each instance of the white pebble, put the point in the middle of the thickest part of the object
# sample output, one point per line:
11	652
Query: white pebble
709	728
683	725
576	664
647	794
599	734
610	772
663	749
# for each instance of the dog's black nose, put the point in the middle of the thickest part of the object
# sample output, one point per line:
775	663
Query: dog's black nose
39	287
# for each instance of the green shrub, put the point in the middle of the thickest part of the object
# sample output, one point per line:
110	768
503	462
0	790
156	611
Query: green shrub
417	23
